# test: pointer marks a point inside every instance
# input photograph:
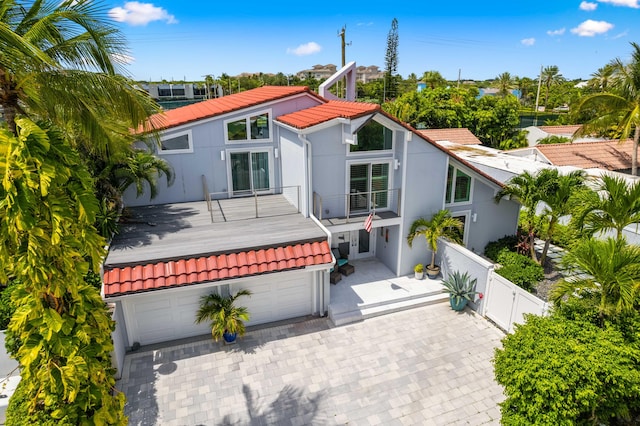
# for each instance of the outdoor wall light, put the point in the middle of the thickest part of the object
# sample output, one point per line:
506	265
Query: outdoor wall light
276	152
396	164
474	217
222	155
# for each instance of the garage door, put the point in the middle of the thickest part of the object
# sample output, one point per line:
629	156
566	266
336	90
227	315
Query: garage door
163	316
274	300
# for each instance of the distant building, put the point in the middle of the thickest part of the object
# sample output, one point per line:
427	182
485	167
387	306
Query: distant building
493	91
182	91
322	72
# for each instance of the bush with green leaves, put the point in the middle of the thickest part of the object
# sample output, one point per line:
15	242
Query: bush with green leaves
520	270
493	248
559	371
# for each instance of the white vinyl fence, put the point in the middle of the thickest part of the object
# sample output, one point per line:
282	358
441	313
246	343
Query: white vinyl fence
503	302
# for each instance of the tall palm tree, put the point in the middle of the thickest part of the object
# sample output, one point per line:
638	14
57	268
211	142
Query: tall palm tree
602	77
620	107
557	197
441	224
613	267
527	189
613	206
504	82
550	75
62	61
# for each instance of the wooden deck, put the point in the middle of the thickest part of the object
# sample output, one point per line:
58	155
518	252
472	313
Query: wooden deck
170	231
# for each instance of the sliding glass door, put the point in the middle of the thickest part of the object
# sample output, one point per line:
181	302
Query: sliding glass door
250	172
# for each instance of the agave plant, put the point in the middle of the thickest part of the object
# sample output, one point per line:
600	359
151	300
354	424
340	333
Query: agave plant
224	315
460	287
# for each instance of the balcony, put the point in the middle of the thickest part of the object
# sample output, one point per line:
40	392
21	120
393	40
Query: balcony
353	207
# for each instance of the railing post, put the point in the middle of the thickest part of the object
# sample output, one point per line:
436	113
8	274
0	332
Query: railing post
320	203
398	202
348	206
299	198
255	197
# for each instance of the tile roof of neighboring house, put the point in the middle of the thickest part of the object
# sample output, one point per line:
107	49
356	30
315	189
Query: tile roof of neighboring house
608	155
328	111
223	105
569	129
462	136
161	275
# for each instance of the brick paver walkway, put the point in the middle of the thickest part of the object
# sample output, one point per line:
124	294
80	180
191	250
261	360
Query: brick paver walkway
427	365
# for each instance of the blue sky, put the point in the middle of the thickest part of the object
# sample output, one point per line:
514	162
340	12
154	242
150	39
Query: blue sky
188	39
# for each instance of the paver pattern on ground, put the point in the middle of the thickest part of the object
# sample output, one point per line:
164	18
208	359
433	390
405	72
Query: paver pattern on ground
424	366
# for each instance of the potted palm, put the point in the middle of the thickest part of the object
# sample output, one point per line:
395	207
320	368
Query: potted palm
418	270
441	224
227	319
461	289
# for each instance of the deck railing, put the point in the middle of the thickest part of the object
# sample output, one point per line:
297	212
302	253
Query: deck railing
356	203
291	193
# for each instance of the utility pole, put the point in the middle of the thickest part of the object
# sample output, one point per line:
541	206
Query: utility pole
535	120
341	34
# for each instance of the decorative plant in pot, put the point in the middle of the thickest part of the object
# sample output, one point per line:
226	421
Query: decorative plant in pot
441	224
227	319
419	271
461	289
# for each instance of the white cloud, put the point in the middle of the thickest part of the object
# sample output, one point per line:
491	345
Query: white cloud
556	32
305	49
588	6
364	24
622	34
528	41
626	3
589	28
136	13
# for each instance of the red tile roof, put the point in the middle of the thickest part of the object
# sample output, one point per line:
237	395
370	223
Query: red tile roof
608	155
223	105
462	136
328	111
568	129
160	275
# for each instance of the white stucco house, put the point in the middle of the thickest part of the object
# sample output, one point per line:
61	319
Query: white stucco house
267	182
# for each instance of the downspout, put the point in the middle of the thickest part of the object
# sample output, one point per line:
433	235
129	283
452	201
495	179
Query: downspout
403	191
309	198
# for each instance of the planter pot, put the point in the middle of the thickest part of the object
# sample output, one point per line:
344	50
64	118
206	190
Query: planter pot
459	305
229	337
433	273
419	275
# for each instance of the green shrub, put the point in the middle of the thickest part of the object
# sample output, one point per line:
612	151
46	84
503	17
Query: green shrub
18	412
557	371
494	247
565	236
520	270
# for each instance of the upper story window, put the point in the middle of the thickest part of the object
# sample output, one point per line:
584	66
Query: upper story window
176	143
373	137
458	186
252	128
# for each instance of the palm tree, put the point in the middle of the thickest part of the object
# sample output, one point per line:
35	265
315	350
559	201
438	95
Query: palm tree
62	61
433	79
441	224
601	78
556	196
504	82
527	189
224	315
550	75
614	269
615	205
619	108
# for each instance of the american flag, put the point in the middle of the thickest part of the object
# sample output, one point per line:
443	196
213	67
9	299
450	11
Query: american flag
369	222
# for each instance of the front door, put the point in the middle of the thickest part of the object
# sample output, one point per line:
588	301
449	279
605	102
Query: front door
362	244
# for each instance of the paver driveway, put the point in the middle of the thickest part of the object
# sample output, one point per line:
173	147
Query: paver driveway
427	365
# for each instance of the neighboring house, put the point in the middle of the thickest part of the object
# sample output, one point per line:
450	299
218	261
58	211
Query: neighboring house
322	72
494	91
266	182
461	136
606	155
536	133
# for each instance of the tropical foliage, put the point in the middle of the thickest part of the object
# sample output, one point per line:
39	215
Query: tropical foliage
440	225
224	315
560	371
460	286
